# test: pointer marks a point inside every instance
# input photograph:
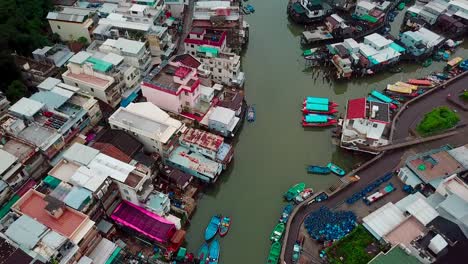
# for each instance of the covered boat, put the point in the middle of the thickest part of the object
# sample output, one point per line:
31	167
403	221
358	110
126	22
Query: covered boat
294	191
212	227
403	84
304	195
251	113
316	118
277	232
420	82
286	212
224	226
203	252
214	252
454	62
274	254
330	122
382	97
399	89
318	109
318	169
336	169
319	100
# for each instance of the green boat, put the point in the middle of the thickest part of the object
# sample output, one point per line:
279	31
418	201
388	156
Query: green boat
427	63
294	191
401	6
275	251
277	232
336	169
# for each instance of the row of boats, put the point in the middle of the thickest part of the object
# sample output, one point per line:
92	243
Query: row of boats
277	234
318	112
331	167
209	252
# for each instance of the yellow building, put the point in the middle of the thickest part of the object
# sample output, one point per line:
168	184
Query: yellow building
71	23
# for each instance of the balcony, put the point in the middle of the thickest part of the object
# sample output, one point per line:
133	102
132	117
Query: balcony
145	190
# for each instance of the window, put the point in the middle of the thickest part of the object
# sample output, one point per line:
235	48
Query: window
59	27
92	90
126	191
186	93
76	84
374	125
219	70
192	46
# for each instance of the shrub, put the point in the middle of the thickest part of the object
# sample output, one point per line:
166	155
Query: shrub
352	248
464	95
439	119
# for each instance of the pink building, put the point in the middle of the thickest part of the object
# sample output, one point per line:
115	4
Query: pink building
175	86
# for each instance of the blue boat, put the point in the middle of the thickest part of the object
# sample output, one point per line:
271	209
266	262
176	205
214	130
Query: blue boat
212	227
286	212
203	252
318	169
250	8
214	252
335	169
251	113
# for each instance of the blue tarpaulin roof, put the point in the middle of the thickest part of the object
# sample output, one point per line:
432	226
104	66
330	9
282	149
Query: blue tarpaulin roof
317	100
317	107
311	118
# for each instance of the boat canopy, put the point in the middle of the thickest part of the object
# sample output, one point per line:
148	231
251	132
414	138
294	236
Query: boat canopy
399	89
381	96
311	118
454	62
317	100
317	107
403	84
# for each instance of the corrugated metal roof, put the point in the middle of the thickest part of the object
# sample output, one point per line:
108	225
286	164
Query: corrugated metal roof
455	206
80	57
222	115
49	83
384	220
6	160
80	153
26	107
25	231
50	99
77	197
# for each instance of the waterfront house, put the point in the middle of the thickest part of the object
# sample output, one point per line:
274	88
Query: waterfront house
150	125
224	66
71	23
364	125
106	78
223	121
176	86
338	25
57	54
135	53
433	166
451	26
232	99
421	42
67	224
207	144
208	38
159	203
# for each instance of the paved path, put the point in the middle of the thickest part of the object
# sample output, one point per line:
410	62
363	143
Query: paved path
390	160
187	24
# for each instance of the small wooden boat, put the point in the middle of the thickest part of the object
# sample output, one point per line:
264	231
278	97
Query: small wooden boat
318	169
294	191
212	227
286	212
277	232
250	8
251	114
224	226
420	82
274	254
331	122
335	169
213	257
304	195
203	253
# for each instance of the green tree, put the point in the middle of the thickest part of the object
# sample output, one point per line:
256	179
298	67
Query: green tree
83	40
15	91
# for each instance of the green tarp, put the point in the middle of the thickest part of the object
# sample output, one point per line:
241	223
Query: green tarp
368	18
113	256
6	208
51	181
204	49
99	65
397	47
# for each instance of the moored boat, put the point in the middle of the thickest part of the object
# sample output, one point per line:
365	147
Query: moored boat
212	227
214	252
277	232
318	169
319	101
250	8
224	226
286	212
251	113
275	251
304	195
294	191
331	122
317	118
420	82
203	253
297	250
336	169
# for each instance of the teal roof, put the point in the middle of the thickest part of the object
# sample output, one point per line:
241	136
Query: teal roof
372	60
317	100
50	99
317	107
51	181
77	197
211	50
100	65
397	47
312	118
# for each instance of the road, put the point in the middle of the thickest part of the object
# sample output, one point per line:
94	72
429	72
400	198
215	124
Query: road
408	119
187	25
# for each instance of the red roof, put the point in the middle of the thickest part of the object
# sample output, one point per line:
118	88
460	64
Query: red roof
188	60
356	108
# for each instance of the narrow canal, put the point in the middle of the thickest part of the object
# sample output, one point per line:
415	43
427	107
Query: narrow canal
272	153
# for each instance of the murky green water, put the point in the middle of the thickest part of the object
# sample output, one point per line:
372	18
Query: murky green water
272	153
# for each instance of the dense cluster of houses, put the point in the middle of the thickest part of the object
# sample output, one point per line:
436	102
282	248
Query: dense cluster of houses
121	130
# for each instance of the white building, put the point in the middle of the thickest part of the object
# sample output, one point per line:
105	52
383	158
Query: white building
150	125
71	23
224	66
363	7
177	7
223	120
106	78
135	53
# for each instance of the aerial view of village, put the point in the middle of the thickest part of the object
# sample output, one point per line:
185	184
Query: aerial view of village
233	131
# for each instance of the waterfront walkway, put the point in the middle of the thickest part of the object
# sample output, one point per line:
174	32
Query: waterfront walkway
402	125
